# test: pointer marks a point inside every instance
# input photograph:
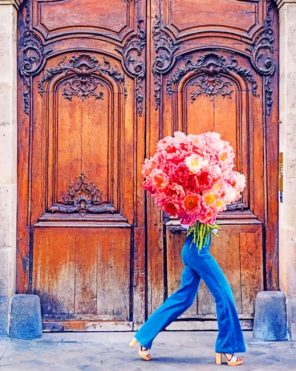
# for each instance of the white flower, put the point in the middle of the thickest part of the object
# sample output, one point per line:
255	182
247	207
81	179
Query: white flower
195	162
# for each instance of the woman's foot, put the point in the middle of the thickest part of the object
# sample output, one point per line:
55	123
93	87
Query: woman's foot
143	352
230	359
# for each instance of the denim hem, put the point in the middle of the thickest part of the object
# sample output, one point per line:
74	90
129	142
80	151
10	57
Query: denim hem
231	351
142	343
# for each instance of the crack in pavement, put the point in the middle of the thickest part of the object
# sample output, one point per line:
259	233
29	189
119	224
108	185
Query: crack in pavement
3	354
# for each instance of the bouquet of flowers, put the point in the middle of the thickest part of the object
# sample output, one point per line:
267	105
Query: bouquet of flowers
191	178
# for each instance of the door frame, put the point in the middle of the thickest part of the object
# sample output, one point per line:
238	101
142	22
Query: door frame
271	235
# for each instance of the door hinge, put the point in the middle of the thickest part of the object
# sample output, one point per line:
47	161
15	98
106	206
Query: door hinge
281	176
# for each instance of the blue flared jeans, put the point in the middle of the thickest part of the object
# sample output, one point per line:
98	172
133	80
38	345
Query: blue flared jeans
198	264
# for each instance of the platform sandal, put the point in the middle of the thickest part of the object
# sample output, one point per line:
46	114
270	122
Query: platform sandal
142	352
230	359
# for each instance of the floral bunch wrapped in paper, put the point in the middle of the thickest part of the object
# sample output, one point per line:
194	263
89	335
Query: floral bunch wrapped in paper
191	178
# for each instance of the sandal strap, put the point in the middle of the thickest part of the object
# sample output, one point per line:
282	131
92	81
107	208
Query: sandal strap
143	349
231	358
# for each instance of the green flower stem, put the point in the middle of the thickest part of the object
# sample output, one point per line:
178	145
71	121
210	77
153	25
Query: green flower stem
201	233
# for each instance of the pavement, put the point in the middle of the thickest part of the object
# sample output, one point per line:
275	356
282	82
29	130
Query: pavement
172	351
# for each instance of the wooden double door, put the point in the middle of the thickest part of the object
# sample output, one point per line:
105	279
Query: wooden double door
100	82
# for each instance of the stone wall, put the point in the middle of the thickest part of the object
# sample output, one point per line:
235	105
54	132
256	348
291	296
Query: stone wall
287	222
8	146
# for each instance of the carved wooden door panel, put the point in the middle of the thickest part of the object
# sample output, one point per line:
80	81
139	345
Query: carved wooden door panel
214	68
81	147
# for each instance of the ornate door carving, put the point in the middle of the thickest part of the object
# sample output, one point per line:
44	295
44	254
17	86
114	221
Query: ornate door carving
99	85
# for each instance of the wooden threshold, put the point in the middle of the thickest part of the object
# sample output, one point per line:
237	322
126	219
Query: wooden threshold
105	326
86	326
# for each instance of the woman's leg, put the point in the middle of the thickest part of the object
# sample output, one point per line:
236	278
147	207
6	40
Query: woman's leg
174	305
230	337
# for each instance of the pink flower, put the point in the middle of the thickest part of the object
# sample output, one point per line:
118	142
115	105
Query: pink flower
171	208
188	218
205	180
174	190
208	217
237	180
191	176
192	202
180	174
158	178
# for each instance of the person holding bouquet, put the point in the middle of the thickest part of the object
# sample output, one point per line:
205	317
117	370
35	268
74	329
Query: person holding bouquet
191	178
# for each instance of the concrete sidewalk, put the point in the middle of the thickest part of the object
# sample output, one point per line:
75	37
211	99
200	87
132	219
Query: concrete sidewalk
172	351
